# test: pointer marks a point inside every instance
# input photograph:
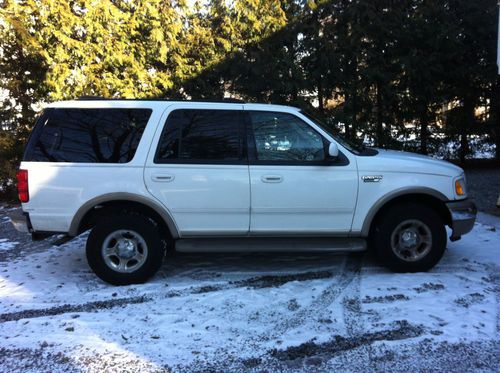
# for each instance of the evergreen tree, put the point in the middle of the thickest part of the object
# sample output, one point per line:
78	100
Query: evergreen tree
22	76
109	48
471	74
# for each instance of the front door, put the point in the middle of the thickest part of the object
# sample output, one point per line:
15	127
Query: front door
199	171
294	188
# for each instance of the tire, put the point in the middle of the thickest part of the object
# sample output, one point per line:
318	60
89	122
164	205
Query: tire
409	238
124	250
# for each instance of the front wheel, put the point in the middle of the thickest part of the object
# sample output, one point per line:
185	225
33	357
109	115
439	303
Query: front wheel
409	238
125	250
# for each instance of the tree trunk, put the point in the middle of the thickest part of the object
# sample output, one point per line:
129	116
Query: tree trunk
468	123
380	128
424	134
293	60
354	127
463	145
321	103
346	114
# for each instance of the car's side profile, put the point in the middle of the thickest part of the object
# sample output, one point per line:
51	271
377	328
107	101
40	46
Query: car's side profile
150	176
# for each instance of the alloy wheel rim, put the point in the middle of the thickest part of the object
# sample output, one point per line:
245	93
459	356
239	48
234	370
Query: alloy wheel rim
124	251
411	240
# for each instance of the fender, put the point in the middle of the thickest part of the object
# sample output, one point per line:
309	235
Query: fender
381	202
122	196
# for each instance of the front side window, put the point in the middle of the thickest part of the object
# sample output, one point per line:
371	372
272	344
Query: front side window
283	137
352	146
87	135
201	136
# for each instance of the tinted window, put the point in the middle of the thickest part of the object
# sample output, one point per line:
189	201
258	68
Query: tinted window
87	135
282	137
201	136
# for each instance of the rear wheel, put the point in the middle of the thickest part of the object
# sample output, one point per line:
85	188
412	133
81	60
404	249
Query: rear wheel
409	238
125	250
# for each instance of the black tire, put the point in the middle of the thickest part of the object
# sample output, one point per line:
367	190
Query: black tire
390	248
141	231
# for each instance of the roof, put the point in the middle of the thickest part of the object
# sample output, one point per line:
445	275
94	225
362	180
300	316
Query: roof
99	102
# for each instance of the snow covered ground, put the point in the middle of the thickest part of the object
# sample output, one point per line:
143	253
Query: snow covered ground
252	312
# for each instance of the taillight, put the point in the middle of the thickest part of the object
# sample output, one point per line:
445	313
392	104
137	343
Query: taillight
22	186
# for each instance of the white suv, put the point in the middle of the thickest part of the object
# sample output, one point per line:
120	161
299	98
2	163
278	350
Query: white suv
150	176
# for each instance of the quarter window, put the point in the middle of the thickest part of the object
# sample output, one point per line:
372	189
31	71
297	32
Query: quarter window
201	136
283	137
87	135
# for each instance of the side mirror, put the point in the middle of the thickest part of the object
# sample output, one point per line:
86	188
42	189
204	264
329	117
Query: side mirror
333	150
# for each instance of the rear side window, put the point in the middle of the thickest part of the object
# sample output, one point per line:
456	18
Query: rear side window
201	136
87	135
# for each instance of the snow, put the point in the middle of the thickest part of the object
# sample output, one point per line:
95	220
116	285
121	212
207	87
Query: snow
5	244
202	310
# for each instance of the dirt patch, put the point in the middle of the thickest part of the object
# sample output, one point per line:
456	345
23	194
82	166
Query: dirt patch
339	343
259	282
428	286
279	280
293	305
25	359
66	308
207	289
385	299
470	299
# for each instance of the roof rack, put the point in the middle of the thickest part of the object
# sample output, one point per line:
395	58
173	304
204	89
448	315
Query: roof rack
91	98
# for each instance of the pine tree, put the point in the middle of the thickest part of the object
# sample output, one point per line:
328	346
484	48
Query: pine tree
22	76
109	48
471	75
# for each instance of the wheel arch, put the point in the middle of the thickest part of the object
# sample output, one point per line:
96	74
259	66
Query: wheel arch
428	196
90	210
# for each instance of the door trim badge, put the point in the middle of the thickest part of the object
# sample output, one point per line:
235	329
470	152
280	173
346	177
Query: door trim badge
371	178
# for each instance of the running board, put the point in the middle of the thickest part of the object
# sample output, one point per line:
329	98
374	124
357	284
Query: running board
274	244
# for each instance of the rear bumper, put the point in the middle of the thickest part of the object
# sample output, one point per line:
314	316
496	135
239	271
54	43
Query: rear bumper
21	221
463	215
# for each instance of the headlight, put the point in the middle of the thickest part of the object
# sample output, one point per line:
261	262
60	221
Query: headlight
460	187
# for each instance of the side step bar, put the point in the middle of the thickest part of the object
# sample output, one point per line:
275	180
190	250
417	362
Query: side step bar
274	244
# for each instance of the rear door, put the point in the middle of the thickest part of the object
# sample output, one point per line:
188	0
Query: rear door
295	189
198	169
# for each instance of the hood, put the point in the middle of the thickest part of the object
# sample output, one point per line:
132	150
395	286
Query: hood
397	161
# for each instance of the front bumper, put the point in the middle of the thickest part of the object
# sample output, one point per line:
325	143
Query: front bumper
463	215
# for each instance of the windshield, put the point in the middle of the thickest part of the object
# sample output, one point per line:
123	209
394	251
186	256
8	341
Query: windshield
348	144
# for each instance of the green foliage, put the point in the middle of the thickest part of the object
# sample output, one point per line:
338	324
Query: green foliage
110	48
21	74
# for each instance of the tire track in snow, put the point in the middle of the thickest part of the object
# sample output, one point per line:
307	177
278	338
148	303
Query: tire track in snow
350	271
351	306
257	282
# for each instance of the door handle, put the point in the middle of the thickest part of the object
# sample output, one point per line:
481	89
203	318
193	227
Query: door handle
163	178
272	178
